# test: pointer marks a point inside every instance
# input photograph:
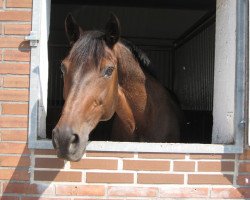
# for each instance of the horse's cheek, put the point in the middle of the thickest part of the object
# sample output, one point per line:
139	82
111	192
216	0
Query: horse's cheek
112	96
109	109
66	87
115	90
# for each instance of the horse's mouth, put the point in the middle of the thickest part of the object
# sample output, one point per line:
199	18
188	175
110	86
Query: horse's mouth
68	154
75	157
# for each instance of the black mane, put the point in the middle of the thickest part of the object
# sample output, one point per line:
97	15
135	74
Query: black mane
140	56
146	64
91	45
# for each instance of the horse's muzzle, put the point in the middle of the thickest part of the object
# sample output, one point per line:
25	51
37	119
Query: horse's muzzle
68	144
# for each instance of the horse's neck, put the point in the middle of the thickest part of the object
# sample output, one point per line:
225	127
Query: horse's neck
132	91
129	70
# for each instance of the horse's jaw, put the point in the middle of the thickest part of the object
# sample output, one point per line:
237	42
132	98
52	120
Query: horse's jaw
124	111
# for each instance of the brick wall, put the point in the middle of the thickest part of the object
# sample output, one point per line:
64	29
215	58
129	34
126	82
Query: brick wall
27	174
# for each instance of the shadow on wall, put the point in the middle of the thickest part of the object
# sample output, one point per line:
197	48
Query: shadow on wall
35	174
18	175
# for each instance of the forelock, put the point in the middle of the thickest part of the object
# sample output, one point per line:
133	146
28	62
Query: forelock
89	48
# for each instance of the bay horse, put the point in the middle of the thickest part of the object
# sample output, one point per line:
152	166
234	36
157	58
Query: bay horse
105	76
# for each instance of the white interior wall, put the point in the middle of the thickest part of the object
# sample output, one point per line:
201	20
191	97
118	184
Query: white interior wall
224	72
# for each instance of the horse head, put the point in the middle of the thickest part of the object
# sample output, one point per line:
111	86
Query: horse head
90	86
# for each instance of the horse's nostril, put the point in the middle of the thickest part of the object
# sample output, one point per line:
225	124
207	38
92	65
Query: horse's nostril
74	139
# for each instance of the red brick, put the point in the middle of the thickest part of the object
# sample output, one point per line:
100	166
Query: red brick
215	166
110	154
93	177
58	176
184	166
128	191
152	178
14	161
15	109
14	174
107	164
14	95
45	198
17	29
244	167
19	4
13	148
14	135
15	55
161	156
80	190
9	198
230	193
45	152
12	15
1	3
245	155
49	163
243	180
26	188
89	198
210	179
146	165
13	122
14	68
16	82
10	42
179	192
212	156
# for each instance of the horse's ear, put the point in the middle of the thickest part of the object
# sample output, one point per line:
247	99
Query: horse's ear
72	29
112	31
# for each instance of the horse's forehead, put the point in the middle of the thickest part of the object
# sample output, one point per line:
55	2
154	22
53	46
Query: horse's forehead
109	55
88	57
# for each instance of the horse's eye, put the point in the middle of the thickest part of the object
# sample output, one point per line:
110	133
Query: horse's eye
108	71
63	68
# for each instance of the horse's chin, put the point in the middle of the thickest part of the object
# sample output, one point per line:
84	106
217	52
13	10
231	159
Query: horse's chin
75	158
71	157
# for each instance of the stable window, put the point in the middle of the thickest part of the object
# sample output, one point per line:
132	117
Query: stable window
197	46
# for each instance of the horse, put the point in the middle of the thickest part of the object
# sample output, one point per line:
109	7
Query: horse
106	76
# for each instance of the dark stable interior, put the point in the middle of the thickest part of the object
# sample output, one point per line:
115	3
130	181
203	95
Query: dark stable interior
177	35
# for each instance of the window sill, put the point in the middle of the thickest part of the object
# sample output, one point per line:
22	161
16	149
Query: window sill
149	147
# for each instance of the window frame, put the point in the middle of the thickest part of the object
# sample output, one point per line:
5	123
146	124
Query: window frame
38	94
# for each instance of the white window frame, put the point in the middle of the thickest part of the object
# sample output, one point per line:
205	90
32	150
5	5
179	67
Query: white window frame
231	115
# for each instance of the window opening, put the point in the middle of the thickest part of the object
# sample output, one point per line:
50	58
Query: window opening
178	37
